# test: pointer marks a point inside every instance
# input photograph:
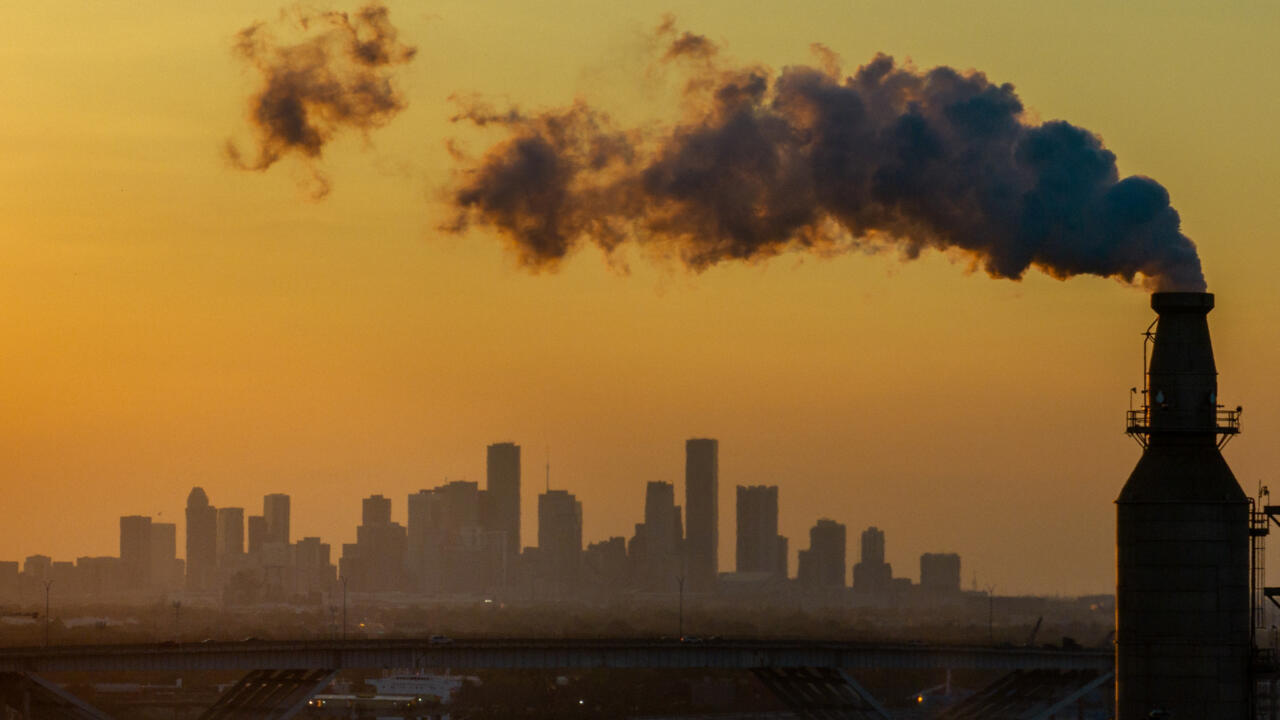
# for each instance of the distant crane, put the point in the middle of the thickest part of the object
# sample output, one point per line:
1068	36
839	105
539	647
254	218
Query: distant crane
1031	639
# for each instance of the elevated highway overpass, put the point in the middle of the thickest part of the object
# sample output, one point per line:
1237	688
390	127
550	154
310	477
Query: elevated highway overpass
566	654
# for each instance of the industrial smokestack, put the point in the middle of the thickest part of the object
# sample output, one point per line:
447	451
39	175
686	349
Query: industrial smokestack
1182	537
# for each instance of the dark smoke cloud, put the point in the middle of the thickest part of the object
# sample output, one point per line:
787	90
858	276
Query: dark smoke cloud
806	159
336	78
683	44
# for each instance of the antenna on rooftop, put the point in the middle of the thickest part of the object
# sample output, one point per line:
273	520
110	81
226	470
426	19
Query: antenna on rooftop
548	468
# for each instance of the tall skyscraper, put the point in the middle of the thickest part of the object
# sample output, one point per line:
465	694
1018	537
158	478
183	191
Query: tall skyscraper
701	502
659	512
450	550
9	579
502	486
257	533
426	541
275	508
560	535
376	561
822	565
657	547
872	550
230	538
316	574
872	574
375	510
164	556
202	541
604	566
135	551
940	572
758	544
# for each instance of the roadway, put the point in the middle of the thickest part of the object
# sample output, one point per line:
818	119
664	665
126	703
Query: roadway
542	654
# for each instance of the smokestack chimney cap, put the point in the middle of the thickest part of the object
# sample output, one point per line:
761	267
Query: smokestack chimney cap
1188	302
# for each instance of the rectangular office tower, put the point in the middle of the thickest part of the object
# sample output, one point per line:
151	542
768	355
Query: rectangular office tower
135	551
230	534
275	508
560	536
202	541
758	540
702	525
822	565
502	483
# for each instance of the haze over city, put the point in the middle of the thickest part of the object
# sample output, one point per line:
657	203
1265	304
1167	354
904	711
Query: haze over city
172	320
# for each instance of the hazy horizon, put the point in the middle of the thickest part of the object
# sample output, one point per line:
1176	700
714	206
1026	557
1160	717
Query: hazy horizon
172	321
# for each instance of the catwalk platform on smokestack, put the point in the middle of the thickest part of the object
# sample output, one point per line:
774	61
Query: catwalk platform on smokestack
1183	622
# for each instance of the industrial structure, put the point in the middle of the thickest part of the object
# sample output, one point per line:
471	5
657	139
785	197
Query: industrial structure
1184	644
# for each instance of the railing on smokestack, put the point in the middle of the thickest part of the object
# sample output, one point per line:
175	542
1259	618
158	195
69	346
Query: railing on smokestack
1226	424
1138	420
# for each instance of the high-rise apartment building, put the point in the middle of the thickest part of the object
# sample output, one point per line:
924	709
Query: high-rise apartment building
758	543
275	508
701	502
822	565
502	488
230	536
202	541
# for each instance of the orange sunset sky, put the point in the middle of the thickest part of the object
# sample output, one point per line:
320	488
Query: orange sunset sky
167	320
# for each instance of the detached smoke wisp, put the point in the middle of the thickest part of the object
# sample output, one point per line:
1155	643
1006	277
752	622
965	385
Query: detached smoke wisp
336	78
806	159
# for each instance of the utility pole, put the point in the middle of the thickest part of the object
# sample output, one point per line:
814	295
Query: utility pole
991	614
47	585
343	578
680	613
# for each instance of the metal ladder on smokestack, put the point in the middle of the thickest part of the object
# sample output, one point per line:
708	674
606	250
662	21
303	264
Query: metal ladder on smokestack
1266	659
1259	526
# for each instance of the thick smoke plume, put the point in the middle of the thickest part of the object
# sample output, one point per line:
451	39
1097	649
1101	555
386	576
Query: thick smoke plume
807	159
336	78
